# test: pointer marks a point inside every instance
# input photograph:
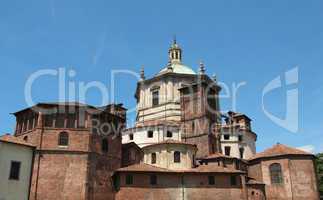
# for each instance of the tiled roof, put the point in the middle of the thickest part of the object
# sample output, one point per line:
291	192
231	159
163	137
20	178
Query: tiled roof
213	168
200	169
170	142
279	150
130	144
216	155
14	140
255	182
142	168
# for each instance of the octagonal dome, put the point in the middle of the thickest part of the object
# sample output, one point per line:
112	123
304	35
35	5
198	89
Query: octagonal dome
178	69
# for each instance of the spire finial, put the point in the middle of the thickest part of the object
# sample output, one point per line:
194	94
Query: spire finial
142	73
175	52
174	39
215	79
202	68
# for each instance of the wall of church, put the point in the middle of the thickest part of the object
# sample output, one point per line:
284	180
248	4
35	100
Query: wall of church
141	138
248	143
165	156
256	192
206	144
176	186
169	100
57	178
299	180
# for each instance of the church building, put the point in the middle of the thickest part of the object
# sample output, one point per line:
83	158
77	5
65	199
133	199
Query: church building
182	147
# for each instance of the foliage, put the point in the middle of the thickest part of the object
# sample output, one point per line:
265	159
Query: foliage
319	167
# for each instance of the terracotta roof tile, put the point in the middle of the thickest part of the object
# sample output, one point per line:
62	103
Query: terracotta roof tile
142	168
170	142
216	155
255	182
14	140
200	169
279	150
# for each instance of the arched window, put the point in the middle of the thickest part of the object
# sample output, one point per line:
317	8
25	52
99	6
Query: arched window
153	158
276	173
26	138
63	139
105	145
177	157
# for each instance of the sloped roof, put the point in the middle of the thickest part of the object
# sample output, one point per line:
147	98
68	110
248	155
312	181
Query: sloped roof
200	169
170	142
254	182
14	140
142	168
279	150
178	68
216	155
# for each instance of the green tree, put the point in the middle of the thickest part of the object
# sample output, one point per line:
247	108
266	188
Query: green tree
319	168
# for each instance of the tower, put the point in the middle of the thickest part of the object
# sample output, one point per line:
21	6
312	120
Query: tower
175	53
200	115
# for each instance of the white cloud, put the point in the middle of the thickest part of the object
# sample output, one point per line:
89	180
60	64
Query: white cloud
307	148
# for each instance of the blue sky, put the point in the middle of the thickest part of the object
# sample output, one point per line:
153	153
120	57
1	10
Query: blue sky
239	41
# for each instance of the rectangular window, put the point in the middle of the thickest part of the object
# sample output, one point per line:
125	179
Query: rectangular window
211	180
155	95
129	179
48	120
177	157
150	134
241	151
240	137
227	151
169	134
130	136
153	158
60	121
71	119
233	180
30	123
226	137
14	170
153	180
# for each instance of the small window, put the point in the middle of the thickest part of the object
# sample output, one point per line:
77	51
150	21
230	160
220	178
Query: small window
177	157
169	134
226	137
241	151
240	137
150	134
130	136
276	173
105	145
155	98
48	120
71	119
233	180
153	158
14	170
211	180
153	180
30	123
193	126
63	139
129	179
26	138
60	121
227	151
